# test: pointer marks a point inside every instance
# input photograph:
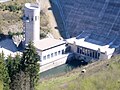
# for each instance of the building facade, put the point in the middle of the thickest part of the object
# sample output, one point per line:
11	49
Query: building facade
31	20
51	52
89	50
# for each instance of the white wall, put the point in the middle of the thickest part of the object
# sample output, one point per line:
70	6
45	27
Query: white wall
54	63
50	51
31	23
53	50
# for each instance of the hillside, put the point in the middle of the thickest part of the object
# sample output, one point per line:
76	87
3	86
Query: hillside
101	75
11	13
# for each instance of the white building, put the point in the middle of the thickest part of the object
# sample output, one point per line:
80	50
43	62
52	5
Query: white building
93	51
31	21
51	52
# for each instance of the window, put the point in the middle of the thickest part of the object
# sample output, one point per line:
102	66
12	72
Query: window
44	57
48	56
78	50
35	18
55	53
98	55
31	19
27	19
63	51
58	52
40	58
51	54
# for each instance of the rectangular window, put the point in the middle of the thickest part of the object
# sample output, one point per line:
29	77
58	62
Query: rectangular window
44	57
98	55
63	51
55	53
35	18
78	50
40	58
48	56
90	53
31	19
58	52
51	54
93	54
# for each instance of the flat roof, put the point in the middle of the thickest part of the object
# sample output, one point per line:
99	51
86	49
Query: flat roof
32	6
48	43
83	43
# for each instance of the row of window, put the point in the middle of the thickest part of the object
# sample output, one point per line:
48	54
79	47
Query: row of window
48	56
88	52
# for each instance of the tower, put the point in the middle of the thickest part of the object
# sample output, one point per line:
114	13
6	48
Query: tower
31	20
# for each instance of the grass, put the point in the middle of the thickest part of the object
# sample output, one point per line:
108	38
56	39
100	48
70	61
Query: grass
9	20
105	76
1	86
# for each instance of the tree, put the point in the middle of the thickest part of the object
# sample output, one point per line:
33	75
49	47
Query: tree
30	66
13	65
4	76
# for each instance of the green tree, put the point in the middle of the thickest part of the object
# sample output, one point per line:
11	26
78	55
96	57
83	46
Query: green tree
30	66
13	65
4	76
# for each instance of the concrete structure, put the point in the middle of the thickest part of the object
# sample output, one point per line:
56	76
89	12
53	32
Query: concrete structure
93	51
31	22
51	52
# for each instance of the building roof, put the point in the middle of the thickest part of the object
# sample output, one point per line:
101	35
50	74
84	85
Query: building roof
32	6
48	43
8	47
83	43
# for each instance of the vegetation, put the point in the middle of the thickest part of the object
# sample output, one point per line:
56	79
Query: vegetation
11	18
11	8
1	85
30	65
20	73
44	24
10	15
13	33
4	77
104	75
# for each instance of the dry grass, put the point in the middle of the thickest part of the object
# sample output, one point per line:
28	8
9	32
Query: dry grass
103	75
1	86
11	19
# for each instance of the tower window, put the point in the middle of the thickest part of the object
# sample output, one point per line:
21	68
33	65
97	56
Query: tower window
31	19
27	18
35	18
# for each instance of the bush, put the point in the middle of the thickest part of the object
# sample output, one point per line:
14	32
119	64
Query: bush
11	8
